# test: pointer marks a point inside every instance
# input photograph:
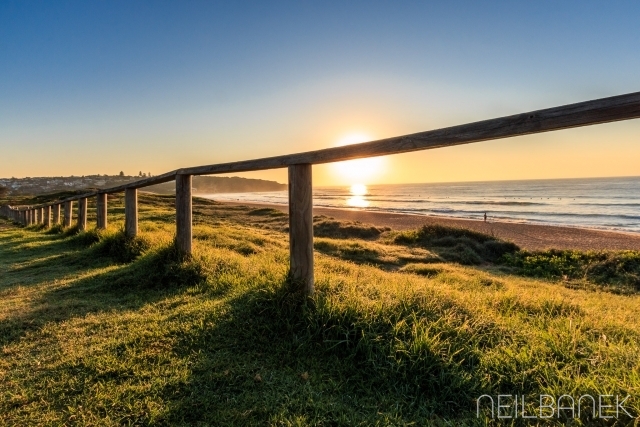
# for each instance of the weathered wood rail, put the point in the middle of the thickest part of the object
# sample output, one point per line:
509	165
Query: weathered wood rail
605	110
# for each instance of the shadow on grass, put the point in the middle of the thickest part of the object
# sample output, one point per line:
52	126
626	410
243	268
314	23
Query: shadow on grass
121	287
308	361
52	256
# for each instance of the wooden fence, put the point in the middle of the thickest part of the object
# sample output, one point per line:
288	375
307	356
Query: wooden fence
623	107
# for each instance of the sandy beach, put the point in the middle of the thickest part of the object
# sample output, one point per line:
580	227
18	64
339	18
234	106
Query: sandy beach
527	236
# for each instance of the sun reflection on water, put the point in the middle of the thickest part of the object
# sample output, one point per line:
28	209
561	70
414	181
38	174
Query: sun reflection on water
357	199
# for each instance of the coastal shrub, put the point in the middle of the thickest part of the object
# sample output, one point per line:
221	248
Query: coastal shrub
86	238
71	231
56	229
246	248
266	212
163	268
620	268
36	227
122	248
457	244
346	229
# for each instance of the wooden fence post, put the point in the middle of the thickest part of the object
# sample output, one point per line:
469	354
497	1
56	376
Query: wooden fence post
131	212
56	214
47	216
29	217
301	226
82	214
183	213
40	215
68	213
101	208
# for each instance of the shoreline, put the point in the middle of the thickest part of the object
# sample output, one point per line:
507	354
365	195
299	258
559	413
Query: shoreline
526	235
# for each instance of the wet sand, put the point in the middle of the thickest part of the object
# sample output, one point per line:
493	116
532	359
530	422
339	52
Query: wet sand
527	236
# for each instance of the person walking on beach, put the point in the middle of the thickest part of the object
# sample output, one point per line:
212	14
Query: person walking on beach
485	217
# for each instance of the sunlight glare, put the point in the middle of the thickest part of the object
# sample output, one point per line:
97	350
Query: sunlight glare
357	202
359	170
358	189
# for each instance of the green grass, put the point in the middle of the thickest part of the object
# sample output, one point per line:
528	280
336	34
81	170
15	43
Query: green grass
457	244
618	271
99	329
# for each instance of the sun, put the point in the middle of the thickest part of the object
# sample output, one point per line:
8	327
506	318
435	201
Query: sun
358	190
359	171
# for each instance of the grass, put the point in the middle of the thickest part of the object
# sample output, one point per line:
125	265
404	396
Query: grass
457	244
619	271
98	329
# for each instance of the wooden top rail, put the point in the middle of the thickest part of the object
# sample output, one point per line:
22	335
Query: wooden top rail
604	110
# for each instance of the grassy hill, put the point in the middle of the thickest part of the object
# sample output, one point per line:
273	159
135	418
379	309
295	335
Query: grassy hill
404	329
201	184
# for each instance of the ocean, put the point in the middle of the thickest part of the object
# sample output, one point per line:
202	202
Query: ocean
603	203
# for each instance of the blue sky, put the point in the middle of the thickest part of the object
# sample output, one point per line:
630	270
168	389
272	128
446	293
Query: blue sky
99	87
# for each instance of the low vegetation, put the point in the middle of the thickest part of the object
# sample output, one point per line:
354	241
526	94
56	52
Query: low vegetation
99	329
618	271
457	244
328	227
